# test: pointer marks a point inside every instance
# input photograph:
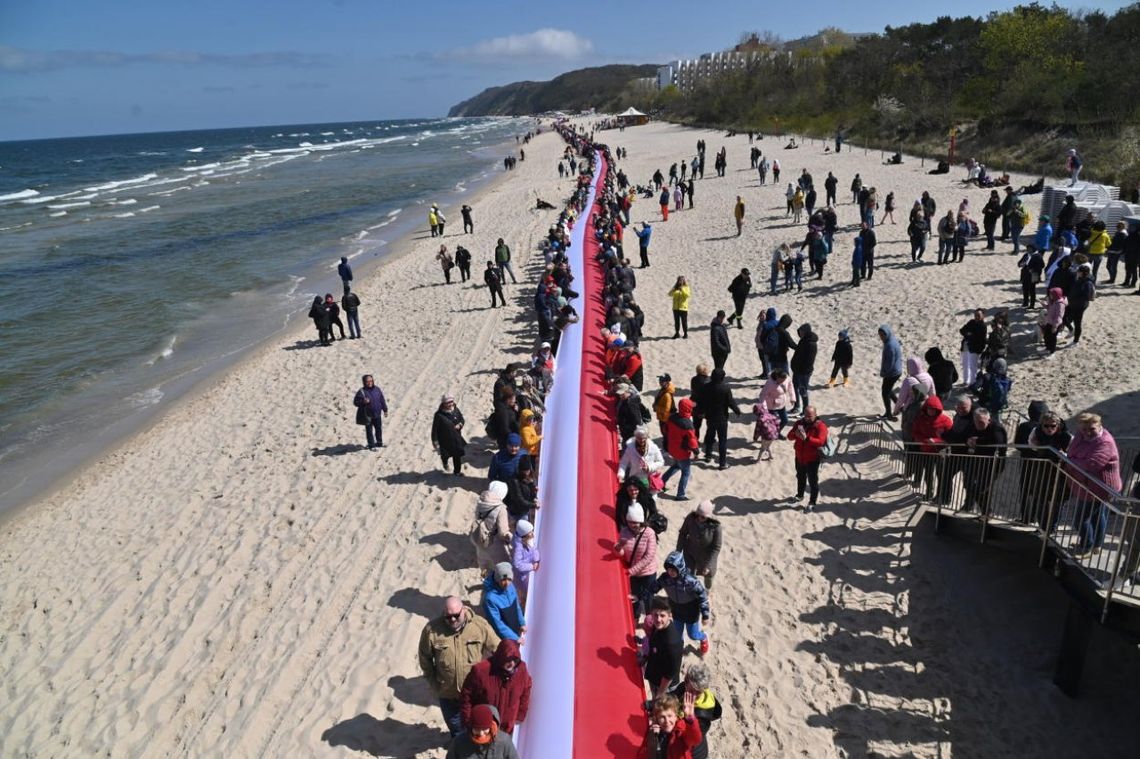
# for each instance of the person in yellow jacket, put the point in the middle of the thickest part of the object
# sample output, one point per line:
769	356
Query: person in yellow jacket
680	295
1099	242
797	205
531	440
663	405
433	222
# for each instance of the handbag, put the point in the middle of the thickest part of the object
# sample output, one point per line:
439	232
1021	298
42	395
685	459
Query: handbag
656	482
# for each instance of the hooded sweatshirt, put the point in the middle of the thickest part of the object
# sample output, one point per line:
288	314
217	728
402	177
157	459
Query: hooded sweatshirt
663	404
843	354
489	683
803	360
530	437
916	375
928	430
716	398
502	608
771	321
942	371
687	594
891	364
786	343
680	435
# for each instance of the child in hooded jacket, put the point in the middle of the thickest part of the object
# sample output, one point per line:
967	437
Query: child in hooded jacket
842	356
687	595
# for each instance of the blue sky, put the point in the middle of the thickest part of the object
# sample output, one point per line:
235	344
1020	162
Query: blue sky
72	67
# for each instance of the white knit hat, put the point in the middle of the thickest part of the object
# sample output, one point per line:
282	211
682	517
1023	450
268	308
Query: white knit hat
523	528
635	514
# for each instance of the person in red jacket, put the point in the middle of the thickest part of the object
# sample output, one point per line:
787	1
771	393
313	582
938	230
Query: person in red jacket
926	431
808	435
682	444
669	737
501	681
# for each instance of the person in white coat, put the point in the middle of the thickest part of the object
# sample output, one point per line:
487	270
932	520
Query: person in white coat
641	457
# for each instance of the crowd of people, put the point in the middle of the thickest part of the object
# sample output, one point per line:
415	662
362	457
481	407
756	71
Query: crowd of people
472	659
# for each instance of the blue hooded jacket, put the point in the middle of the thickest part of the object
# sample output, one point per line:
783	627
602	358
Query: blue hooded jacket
857	254
892	363
1043	240
684	589
503	609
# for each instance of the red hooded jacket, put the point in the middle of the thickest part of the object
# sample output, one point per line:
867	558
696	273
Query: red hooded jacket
684	738
486	684
680	436
807	450
926	428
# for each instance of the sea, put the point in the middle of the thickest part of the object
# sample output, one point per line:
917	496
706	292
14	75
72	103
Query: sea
135	266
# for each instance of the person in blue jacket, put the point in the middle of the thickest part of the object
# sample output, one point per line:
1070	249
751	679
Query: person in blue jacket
501	604
856	261
345	272
890	368
687	596
1043	240
643	236
507	461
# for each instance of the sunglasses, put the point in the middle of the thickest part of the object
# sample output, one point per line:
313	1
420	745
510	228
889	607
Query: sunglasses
453	616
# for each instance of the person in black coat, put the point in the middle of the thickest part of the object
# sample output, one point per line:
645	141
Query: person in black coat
494	281
740	287
447	433
803	364
942	371
719	342
1080	295
665	648
867	235
628	411
973	335
785	343
633	490
322	320
522	493
504	417
699	380
1032	266
715	402
1067	216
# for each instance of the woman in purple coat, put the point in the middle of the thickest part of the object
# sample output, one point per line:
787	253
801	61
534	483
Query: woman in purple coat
370	408
1096	462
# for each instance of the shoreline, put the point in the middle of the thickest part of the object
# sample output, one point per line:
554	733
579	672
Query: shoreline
185	388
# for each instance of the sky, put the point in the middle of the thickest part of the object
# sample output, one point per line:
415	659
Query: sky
85	67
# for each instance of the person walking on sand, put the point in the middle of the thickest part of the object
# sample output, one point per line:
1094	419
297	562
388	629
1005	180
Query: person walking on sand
463	261
808	436
322	320
468	224
503	260
643	236
483	739
699	541
720	345
446	263
433	222
1073	164
370	408
739	288
494	281
501	604
351	305
680	295
663	201
803	363
501	681
842	357
688	598
830	185
334	316
637	550
890	368
738	214
447	433
440	219
450	645
345	272
715	401
682	444
706	708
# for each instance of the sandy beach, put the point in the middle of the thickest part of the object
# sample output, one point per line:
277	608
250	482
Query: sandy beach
243	579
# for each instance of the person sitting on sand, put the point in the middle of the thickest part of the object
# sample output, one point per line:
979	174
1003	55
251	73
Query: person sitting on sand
791	144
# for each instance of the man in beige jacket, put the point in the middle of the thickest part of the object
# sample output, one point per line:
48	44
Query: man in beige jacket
450	646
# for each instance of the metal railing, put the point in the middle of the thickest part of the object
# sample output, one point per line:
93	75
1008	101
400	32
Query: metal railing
1087	524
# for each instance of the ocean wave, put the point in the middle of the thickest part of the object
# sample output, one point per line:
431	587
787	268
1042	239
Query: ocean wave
150	208
127	202
61	206
168	193
166	352
120	183
57	214
20	195
126	215
40	199
194	150
148	397
150	152
203	166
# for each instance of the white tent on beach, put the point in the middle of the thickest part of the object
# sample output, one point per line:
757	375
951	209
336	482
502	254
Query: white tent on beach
632	117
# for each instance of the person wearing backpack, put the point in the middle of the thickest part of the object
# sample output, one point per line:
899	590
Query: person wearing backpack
808	436
992	389
491	531
766	340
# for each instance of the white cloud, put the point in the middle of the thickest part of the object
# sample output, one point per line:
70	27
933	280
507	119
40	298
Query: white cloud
542	43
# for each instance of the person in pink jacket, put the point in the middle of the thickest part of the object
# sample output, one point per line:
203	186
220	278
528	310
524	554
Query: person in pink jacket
778	396
637	547
1095	464
1051	319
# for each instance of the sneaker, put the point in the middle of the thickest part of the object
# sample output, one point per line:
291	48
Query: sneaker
795	499
680	497
809	508
705	645
846	382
